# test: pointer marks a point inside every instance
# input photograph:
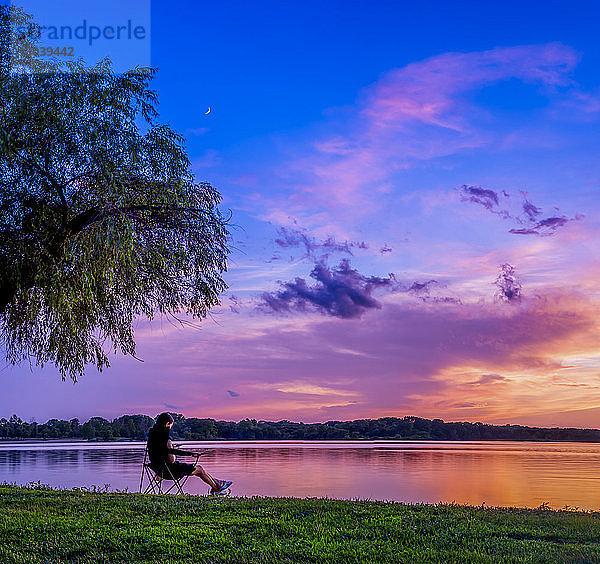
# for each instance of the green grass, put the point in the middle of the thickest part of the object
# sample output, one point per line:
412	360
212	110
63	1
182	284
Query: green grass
38	524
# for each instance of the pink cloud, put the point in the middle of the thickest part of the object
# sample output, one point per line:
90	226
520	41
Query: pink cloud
454	362
470	362
413	114
429	91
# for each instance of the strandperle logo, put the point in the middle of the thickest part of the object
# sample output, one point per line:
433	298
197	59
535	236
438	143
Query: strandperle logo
91	33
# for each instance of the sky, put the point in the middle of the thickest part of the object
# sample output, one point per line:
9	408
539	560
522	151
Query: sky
413	189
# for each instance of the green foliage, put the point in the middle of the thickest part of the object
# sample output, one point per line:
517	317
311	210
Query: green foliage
194	429
100	218
97	428
42	525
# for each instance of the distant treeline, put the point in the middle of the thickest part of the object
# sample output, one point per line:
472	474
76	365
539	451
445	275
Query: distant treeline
137	426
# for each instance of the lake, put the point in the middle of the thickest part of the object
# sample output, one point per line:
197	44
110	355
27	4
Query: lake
522	474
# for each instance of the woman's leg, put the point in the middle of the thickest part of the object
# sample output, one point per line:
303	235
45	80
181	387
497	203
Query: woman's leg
206	477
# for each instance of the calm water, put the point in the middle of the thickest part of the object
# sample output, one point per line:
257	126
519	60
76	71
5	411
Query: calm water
495	473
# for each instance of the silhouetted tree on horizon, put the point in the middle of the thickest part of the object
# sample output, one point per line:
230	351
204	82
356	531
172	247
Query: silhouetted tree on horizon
387	428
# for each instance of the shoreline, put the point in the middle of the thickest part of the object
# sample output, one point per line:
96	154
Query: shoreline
4	440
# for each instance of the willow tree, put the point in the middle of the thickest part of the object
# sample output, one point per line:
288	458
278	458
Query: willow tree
100	218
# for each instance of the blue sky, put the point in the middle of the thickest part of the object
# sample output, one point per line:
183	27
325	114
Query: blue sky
275	67
382	161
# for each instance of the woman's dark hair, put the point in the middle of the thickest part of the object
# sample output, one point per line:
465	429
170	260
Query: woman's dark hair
163	419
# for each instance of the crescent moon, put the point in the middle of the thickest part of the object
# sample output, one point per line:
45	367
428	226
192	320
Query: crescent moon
207	111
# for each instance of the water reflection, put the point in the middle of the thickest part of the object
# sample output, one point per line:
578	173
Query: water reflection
521	474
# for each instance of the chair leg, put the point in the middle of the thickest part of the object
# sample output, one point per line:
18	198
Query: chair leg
173	485
150	488
182	483
144	469
176	483
179	487
155	482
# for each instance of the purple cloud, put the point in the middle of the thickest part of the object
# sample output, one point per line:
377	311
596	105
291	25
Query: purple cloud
528	219
344	292
314	248
489	379
544	227
421	287
478	195
509	286
423	292
340	292
234	305
532	211
441	300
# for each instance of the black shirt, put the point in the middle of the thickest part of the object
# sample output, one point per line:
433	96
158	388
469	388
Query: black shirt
158	449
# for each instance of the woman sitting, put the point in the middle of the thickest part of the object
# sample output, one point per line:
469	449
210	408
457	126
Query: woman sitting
162	457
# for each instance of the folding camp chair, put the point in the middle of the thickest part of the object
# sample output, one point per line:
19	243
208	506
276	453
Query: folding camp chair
155	479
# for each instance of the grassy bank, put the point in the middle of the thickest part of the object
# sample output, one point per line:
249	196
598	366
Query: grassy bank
43	525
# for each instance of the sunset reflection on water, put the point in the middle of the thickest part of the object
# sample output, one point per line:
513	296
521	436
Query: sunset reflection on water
494	473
